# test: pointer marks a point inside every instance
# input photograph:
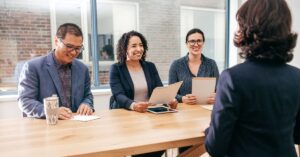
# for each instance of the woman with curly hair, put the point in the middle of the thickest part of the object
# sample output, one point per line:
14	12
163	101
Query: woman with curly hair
257	101
133	79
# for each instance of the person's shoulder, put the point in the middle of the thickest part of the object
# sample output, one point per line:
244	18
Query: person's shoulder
148	64
79	63
209	60
180	60
294	69
117	65
37	60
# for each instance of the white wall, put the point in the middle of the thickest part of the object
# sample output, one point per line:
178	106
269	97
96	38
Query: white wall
294	6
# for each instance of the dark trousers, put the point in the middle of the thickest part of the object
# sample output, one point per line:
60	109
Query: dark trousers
151	154
182	149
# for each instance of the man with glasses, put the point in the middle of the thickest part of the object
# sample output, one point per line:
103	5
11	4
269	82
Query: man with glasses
58	73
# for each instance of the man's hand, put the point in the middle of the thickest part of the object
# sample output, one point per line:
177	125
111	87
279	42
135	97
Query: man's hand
189	99
84	109
64	113
140	106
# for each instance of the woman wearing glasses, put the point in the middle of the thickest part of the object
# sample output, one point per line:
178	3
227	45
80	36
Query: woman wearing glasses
194	64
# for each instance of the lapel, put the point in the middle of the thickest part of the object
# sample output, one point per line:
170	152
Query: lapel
51	68
76	75
124	70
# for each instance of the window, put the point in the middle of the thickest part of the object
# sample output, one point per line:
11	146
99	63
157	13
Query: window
29	26
213	29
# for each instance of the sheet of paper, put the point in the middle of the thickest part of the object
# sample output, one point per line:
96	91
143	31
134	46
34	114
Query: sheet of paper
85	118
208	107
203	87
162	95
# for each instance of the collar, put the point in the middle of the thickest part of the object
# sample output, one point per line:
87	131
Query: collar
58	64
203	58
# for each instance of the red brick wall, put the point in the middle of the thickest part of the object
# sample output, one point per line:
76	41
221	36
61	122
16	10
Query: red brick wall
22	30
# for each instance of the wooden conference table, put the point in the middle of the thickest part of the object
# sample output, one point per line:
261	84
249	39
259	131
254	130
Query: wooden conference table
116	133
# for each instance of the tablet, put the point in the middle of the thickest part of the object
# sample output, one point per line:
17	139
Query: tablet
160	109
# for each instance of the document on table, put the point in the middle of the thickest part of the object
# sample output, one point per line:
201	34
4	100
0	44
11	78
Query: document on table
202	88
84	118
208	107
162	95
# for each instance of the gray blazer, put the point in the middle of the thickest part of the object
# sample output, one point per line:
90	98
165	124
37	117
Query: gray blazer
39	79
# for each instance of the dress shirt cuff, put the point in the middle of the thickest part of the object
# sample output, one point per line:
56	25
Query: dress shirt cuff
179	98
131	106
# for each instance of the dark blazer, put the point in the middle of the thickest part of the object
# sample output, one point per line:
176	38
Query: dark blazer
39	79
122	86
255	111
297	131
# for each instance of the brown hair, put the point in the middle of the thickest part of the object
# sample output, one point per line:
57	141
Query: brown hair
265	31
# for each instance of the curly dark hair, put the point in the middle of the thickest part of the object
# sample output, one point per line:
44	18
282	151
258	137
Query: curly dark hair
123	45
265	31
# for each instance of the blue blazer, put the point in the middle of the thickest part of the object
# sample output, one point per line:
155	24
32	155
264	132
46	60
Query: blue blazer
39	79
297	130
122	86
255	111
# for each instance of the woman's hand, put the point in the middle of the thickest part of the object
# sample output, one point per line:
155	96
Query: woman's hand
140	106
189	99
173	104
211	99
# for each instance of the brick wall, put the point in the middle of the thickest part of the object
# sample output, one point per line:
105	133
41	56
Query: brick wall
22	30
160	23
26	29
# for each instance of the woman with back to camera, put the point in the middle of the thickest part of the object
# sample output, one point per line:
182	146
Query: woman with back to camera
297	133
194	64
133	79
257	101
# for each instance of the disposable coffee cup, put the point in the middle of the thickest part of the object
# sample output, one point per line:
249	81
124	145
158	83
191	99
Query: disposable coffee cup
51	109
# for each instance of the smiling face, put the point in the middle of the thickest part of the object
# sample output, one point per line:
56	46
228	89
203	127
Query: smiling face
195	43
135	49
68	49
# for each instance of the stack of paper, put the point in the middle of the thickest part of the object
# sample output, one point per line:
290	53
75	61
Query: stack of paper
84	118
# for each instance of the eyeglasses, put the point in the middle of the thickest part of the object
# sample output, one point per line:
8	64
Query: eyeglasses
193	42
71	48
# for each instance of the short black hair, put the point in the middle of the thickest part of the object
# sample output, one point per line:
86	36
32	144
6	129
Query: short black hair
265	31
123	45
192	31
70	28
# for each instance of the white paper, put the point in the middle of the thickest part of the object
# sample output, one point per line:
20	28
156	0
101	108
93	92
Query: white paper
208	107
203	87
163	95
84	118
